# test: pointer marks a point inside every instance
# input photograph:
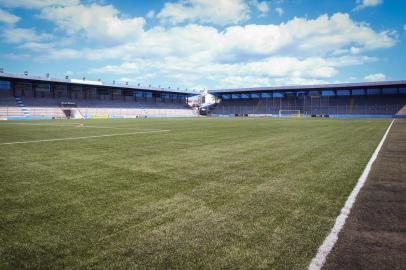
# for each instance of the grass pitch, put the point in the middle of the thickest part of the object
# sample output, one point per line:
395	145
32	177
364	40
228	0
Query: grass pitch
209	193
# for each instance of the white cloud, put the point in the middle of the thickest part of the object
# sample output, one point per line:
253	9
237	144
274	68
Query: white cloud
299	50
19	35
282	67
280	70
303	36
57	54
101	23
261	6
252	81
17	57
150	14
37	3
193	42
337	34
375	77
272	67
220	12
404	27
280	11
361	4
36	46
8	18
124	68
238	81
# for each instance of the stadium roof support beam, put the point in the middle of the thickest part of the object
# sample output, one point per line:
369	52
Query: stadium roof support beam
308	88
67	81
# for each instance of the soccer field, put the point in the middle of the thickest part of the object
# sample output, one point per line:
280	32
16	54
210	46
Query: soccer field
175	193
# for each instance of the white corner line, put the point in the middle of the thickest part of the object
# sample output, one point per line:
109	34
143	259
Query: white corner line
328	244
86	137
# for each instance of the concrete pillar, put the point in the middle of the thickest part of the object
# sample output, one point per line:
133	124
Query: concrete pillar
33	90
52	90
13	87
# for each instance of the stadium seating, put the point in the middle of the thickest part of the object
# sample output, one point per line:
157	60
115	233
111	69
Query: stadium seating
355	105
43	108
47	107
9	108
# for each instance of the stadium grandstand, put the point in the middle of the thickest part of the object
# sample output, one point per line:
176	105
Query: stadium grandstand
31	97
24	97
355	100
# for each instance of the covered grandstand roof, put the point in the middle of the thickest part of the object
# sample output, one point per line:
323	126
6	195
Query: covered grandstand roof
91	83
313	87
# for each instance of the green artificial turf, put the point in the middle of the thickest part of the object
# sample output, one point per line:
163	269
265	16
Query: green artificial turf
210	193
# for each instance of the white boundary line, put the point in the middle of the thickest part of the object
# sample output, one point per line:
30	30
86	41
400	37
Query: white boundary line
86	137
328	244
80	125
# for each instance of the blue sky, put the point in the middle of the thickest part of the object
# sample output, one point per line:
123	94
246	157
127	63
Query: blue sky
198	44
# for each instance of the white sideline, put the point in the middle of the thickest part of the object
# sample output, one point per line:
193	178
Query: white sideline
86	137
328	244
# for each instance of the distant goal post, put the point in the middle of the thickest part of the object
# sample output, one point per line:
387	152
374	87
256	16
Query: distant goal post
290	113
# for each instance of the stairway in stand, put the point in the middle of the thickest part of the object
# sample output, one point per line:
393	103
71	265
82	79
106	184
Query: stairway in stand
22	107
